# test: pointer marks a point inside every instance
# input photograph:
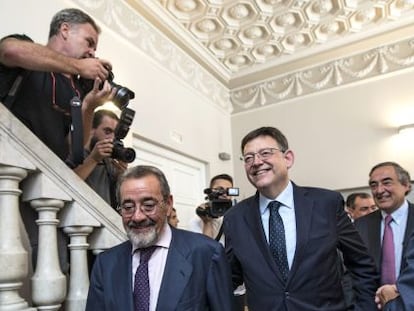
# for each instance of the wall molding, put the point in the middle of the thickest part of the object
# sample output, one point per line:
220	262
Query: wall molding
373	63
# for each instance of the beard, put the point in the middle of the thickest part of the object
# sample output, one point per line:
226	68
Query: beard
142	239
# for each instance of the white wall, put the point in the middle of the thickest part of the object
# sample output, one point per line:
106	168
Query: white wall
338	135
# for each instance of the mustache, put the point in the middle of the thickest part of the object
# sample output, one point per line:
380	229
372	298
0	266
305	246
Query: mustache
142	224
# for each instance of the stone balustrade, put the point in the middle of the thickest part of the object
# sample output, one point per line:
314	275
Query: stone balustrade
35	181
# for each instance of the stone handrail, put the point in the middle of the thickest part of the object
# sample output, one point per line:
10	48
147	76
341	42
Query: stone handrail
32	177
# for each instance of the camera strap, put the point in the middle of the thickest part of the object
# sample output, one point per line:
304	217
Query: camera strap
11	95
76	130
220	233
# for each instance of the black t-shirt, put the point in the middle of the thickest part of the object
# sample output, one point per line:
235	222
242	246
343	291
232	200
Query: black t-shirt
42	103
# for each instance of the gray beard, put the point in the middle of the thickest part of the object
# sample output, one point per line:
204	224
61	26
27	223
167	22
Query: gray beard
142	240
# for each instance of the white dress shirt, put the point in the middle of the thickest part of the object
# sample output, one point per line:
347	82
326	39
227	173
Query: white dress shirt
156	265
287	212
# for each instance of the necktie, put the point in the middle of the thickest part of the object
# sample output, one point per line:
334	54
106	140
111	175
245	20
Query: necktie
388	257
141	284
277	240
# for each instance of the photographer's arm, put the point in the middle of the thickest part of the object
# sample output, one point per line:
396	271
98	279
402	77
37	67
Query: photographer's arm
102	150
119	166
207	222
95	98
208	227
33	56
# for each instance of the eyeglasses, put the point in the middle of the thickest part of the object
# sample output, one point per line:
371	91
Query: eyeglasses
262	154
147	207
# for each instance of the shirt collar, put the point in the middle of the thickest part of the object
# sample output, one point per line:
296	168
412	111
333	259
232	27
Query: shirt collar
285	197
399	214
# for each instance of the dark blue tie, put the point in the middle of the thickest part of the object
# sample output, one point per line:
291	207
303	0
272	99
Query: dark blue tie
277	240
141	284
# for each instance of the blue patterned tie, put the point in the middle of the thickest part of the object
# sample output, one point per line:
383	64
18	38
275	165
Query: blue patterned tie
141	284
277	240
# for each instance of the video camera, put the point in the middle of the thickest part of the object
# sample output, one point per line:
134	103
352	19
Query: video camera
216	206
119	151
122	95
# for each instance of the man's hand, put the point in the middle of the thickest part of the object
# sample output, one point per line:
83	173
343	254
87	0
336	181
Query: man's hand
384	294
205	218
208	228
92	68
120	166
102	150
97	97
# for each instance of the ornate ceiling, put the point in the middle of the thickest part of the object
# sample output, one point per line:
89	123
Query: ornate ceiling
264	51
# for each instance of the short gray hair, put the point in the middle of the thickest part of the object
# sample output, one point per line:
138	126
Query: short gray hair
141	171
71	16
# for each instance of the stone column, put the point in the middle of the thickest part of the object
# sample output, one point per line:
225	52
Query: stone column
48	281
79	275
14	258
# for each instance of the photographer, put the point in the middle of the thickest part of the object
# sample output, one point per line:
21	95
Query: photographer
203	222
209	224
38	82
99	170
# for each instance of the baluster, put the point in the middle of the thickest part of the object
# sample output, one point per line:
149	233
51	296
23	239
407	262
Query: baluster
14	258
79	275
48	281
49	284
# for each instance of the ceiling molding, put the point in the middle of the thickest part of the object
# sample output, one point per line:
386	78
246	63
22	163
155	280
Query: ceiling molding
239	40
373	63
376	38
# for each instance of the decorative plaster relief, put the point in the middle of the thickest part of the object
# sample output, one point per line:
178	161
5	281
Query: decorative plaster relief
373	63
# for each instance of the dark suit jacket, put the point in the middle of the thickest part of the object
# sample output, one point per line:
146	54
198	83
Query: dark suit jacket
405	283
369	227
314	281
196	277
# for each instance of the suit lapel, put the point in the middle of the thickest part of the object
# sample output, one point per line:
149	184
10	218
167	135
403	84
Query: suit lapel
254	222
177	272
303	214
410	225
374	236
123	288
407	234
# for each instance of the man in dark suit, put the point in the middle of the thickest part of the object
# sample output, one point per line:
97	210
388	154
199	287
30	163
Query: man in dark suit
186	271
399	297
389	184
286	253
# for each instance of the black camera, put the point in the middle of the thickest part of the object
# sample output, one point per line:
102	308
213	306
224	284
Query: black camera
122	94
119	152
216	206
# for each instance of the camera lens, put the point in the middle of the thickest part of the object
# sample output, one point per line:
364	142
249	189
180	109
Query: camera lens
128	155
122	96
121	153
